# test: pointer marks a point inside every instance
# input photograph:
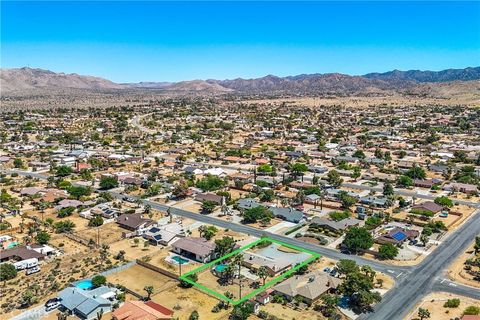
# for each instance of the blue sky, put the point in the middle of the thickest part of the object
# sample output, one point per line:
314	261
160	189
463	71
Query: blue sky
172	41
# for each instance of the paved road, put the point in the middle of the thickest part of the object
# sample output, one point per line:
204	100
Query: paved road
402	192
412	283
393	271
423	279
407	193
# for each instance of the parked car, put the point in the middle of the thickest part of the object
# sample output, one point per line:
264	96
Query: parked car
52	304
129	199
32	270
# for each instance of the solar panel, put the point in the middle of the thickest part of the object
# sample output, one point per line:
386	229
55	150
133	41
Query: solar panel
399	236
154	230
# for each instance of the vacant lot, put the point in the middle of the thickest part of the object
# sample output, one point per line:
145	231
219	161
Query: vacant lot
457	270
434	304
185	301
137	277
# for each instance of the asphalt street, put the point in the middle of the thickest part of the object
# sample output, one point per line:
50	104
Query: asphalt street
412	283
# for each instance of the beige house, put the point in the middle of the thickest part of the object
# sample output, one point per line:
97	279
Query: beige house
309	286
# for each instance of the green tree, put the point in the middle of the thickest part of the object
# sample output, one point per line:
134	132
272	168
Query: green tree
18	163
149	291
388	189
242	311
444	201
95	221
359	154
477	244
357	238
334	178
108	182
387	251
423	313
7	272
224	246
79	191
404	181
262	273
180	190
346	200
194	315
356	173
28	298
207	232
298	168
86	174
472	311
265	168
63	171
255	214
208	206
65	212
358	286
210	183
416	173
42	237
98	281
64	226
347	266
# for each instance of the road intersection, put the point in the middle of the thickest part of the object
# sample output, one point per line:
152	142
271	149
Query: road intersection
411	282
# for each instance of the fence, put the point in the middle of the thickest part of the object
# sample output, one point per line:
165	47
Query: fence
157	269
119	268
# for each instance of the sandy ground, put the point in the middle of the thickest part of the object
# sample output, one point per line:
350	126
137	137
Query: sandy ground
434	303
132	250
184	301
457	272
137	277
284	312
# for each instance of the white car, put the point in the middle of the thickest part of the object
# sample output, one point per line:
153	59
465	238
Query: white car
32	270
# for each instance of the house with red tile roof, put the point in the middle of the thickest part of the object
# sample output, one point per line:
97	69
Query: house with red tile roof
134	310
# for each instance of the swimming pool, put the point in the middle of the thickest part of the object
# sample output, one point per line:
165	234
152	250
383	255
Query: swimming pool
12	244
179	260
84	284
220	267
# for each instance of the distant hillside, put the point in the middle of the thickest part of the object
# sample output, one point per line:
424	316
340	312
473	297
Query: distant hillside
466	74
25	79
197	86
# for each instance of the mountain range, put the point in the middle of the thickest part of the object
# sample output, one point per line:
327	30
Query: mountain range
28	79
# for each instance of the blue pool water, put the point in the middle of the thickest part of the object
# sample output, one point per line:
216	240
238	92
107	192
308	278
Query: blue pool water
180	260
12	244
84	284
220	267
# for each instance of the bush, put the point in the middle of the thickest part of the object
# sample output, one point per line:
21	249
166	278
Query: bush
472	310
7	271
387	251
452	303
422	212
99	281
339	215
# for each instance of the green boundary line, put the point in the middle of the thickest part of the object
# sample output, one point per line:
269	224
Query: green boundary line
260	289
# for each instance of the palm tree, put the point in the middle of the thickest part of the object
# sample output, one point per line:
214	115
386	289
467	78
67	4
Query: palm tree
263	273
149	290
238	260
229	295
